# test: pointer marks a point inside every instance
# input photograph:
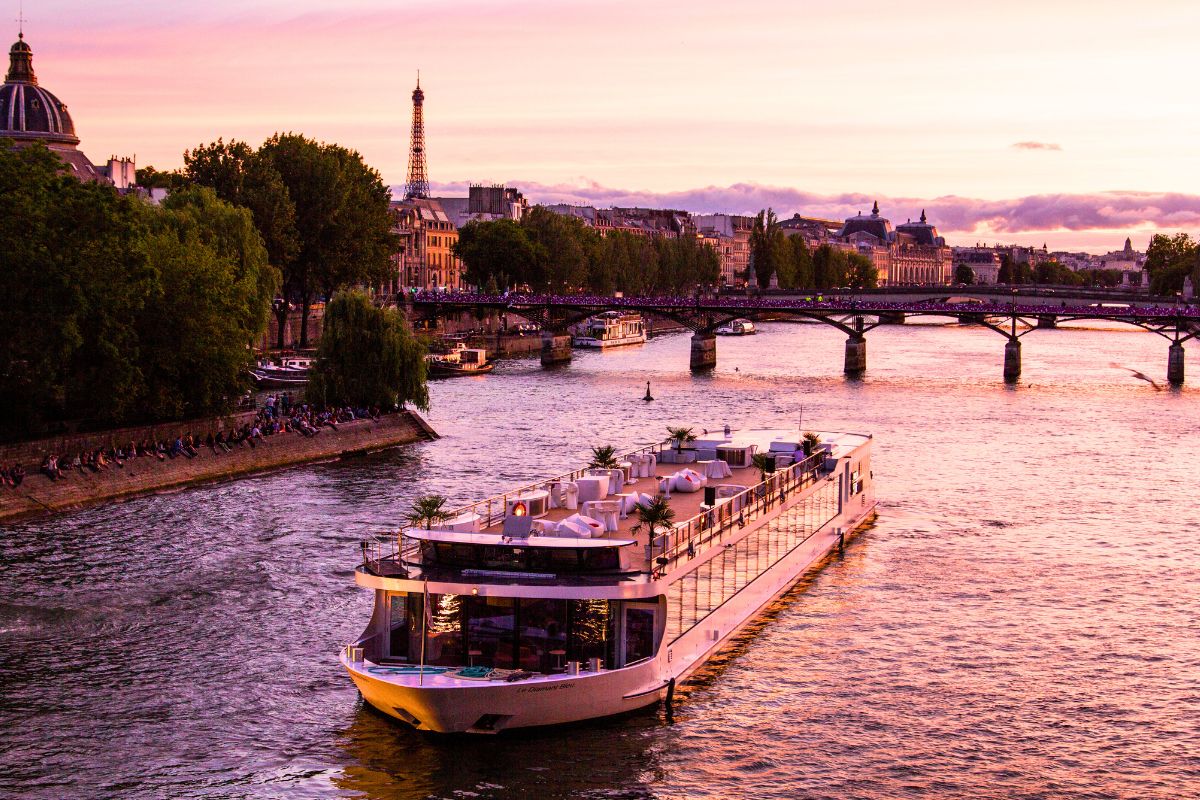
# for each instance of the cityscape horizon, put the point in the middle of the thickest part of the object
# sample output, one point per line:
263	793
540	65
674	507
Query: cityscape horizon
1070	168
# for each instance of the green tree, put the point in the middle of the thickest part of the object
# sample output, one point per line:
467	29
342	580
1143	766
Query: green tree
604	456
773	255
150	178
860	272
210	303
802	258
74	279
497	253
324	214
245	178
427	511
1171	259
964	274
563	246
127	311
656	515
368	356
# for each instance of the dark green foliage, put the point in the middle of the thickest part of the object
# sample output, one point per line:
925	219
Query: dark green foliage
324	214
210	304
150	178
1171	259
117	311
771	252
834	267
368	356
497	253
604	456
964	274
553	252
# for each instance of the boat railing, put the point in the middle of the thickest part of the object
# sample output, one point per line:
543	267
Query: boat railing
713	525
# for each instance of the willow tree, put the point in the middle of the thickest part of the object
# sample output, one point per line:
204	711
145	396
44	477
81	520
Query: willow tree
368	356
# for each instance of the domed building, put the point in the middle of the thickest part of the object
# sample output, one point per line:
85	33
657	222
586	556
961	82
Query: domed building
30	114
913	253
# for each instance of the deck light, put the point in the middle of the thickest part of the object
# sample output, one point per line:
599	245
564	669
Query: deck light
519	509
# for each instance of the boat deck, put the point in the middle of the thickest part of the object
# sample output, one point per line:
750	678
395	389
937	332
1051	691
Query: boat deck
685	505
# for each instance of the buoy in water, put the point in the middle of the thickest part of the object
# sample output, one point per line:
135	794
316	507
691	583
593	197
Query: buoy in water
648	396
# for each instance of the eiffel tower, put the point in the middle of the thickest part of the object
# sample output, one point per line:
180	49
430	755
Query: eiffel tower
418	174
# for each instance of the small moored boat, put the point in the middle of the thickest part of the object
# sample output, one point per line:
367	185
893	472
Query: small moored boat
289	373
462	360
737	327
611	329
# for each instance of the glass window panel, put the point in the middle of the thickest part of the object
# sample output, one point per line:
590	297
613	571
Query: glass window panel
490	629
399	626
589	631
639	633
542	646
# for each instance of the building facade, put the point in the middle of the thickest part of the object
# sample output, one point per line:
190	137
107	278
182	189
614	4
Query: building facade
425	259
912	253
729	235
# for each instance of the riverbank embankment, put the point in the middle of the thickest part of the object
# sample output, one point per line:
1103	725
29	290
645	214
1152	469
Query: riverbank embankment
38	494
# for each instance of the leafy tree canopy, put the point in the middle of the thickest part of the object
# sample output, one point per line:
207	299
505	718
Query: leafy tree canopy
1171	259
368	356
125	311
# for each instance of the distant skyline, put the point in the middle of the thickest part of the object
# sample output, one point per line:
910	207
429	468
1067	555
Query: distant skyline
1060	122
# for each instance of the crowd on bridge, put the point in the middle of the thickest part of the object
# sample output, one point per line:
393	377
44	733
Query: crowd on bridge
816	302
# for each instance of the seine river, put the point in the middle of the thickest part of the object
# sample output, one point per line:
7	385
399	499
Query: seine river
1023	620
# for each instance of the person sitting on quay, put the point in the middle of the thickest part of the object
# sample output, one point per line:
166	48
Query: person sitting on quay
50	468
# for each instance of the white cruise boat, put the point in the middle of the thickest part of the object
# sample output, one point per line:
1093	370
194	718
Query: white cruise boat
611	329
737	327
553	604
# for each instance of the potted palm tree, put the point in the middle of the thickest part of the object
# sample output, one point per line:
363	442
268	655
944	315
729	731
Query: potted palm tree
810	443
427	511
604	457
680	436
655	515
759	461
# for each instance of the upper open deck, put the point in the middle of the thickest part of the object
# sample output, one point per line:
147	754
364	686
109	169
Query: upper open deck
583	529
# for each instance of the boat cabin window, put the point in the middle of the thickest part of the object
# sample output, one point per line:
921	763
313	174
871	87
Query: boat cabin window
522	559
535	634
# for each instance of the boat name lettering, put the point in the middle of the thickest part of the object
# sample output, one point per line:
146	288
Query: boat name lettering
554	687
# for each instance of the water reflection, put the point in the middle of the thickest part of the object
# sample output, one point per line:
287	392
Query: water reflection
608	758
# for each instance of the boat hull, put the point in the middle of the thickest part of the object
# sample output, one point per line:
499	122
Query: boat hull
441	371
588	341
492	706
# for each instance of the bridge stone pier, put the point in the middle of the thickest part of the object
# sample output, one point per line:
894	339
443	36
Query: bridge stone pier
1012	360
704	351
856	355
556	348
1175	364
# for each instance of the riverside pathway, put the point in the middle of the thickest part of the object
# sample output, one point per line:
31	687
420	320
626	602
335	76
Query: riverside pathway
39	494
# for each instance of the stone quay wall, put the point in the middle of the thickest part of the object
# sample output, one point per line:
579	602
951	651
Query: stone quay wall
145	475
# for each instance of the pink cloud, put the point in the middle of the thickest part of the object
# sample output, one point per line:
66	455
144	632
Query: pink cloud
1116	210
1036	146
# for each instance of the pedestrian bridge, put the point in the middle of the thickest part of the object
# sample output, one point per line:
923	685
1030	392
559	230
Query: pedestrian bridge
1012	315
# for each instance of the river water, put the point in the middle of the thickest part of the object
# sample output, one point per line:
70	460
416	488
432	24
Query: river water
1022	620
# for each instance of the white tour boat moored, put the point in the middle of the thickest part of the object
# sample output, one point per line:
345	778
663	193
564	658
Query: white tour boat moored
737	327
553	603
611	329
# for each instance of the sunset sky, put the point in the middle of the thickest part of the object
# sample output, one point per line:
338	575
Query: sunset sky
1073	123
